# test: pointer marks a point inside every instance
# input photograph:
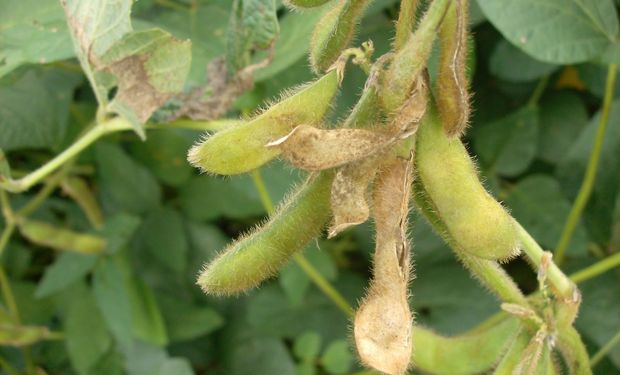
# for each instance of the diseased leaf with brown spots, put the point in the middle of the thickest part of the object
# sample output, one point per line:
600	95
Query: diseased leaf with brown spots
453	96
90	24
349	193
151	67
383	323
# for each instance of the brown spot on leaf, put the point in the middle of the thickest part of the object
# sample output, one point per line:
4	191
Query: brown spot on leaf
134	89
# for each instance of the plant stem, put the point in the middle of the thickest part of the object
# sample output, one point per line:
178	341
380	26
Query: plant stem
596	269
590	176
7	295
106	127
10	370
534	252
314	275
404	25
538	91
9	228
596	358
50	185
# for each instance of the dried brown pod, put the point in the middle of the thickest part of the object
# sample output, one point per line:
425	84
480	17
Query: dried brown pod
383	322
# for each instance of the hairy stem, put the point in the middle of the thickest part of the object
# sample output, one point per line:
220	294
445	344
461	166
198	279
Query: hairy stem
406	20
590	176
558	280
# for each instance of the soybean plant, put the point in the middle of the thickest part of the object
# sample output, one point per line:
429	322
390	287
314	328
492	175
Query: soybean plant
400	141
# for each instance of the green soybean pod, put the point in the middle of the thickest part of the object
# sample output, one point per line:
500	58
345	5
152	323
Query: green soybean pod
471	353
476	222
306	3
260	254
58	238
241	148
410	60
334	32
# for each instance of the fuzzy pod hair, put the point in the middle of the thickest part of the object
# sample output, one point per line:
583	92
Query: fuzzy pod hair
334	32
241	148
474	220
260	254
474	352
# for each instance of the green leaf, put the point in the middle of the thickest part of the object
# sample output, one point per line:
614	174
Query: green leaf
305	368
32	310
511	64
538	204
95	26
164	237
118	231
599	211
146	317
337	358
150	66
562	117
33	31
144	359
205	26
307	346
444	292
555	31
599	315
67	269
295	30
296	282
164	154
207	198
87	339
113	301
270	313
260	356
185	321
253	24
509	145
205	241
594	77
34	108
125	185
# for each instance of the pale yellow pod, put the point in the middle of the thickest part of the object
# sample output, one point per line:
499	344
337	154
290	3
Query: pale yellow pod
241	148
477	223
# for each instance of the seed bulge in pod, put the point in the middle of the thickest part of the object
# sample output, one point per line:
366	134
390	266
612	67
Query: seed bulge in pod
477	223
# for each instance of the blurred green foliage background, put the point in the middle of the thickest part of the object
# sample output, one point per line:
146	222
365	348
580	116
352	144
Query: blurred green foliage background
135	307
